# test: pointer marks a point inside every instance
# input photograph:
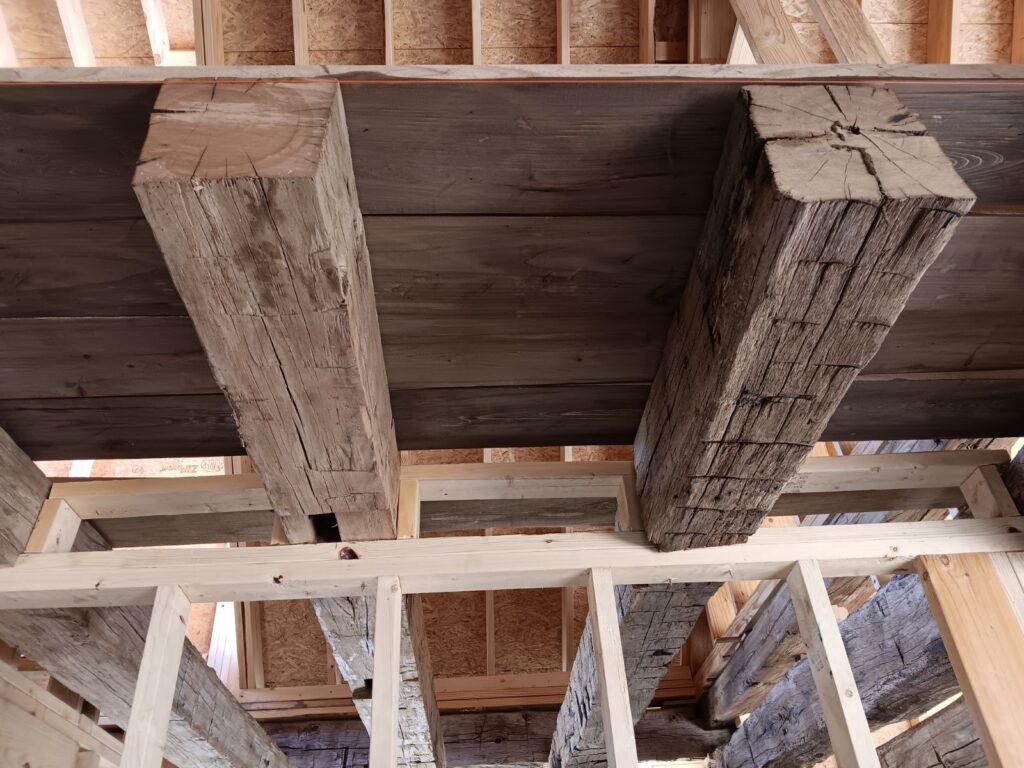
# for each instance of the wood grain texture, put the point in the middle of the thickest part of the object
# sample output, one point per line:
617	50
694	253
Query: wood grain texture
806	262
945	740
852	38
771	37
899	665
290	328
22	494
97	653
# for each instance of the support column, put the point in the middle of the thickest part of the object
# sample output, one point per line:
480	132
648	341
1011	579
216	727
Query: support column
250	192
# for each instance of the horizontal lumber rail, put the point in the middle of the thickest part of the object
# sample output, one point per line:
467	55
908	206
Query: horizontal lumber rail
823	484
457	564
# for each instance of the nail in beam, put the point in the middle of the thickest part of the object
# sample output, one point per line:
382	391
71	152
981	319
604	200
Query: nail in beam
250	191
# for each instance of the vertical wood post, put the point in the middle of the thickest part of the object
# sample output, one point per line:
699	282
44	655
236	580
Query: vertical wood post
646	31
985	645
56	528
300	32
387	642
409	509
833	677
620	740
146	737
477	22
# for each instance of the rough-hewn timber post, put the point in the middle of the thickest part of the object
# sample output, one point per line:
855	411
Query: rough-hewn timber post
250	192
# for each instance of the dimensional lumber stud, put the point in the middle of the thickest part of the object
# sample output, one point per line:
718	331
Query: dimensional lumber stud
829	205
387	642
250	190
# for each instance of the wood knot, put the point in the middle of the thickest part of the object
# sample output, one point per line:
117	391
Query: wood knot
347	553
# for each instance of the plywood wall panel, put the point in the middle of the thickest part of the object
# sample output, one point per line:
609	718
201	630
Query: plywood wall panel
456	633
985	43
125	42
258	32
455	456
36	33
345	31
905	43
604	32
294	649
181	32
518	33
432	32
527	630
896	11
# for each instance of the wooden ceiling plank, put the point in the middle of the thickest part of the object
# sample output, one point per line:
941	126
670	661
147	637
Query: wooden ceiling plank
851	36
769	33
758	392
76	32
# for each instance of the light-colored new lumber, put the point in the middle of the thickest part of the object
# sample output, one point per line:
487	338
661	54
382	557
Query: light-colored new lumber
985	645
76	32
833	677
409	509
389	33
943	31
156	28
282	296
477	563
300	31
711	28
646	24
851	36
563	23
208	18
739	48
387	642
769	33
791	294
620	743
146	737
476	21
56	528
8	54
1017	32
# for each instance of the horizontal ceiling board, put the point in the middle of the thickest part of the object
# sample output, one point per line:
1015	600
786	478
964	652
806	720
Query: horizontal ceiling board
537	317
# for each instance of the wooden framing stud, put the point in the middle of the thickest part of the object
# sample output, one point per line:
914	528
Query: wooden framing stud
387	642
146	736
620	740
156	28
851	36
985	644
563	21
409	509
8	54
56	528
300	32
943	31
389	33
1017	41
477	29
769	33
833	677
208	19
646	31
72	18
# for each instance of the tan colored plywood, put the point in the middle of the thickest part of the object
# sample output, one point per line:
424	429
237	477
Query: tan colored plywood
294	649
905	43
514	33
124	43
345	31
455	633
452	456
520	56
181	30
258	31
432	32
984	43
528	630
36	33
200	626
896	11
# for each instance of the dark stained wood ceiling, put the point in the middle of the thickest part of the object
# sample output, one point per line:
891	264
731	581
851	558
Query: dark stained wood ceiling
529	241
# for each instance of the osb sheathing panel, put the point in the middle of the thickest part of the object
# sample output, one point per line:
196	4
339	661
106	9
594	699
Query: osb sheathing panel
181	31
294	649
345	31
528	630
124	43
452	456
36	33
985	43
258	31
432	32
502	455
456	626
602	453
518	33
200	626
905	43
604	32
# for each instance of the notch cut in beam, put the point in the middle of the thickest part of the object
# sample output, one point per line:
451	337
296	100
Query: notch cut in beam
833	677
479	563
829	205
146	737
250	192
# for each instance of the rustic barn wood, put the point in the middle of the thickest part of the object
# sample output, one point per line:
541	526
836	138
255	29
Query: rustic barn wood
490	738
900	667
772	643
947	739
76	246
262	232
807	259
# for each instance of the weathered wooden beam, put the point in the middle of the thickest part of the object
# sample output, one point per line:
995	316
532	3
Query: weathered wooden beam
985	644
23	489
291	327
491	738
772	642
250	192
848	31
899	665
829	205
947	739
